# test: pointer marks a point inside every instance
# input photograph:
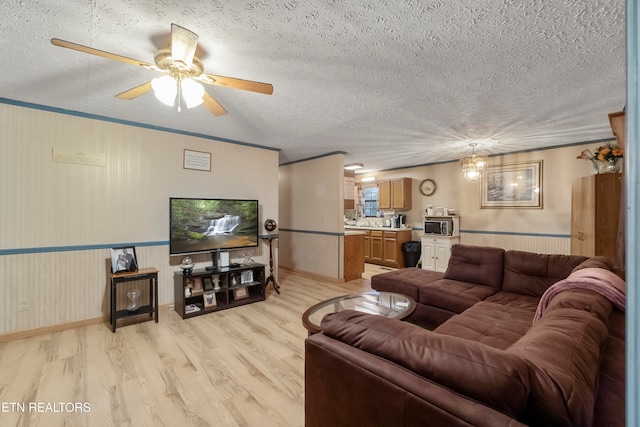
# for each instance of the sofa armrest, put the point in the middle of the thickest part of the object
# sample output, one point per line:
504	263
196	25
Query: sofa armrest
491	376
348	387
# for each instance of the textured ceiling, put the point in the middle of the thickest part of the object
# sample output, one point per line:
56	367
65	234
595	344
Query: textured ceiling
390	83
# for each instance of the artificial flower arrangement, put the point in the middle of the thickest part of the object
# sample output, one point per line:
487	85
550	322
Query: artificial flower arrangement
603	154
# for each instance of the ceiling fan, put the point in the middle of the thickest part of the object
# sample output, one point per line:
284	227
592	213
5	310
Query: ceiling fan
182	72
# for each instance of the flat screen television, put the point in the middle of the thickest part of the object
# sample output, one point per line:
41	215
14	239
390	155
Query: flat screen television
212	225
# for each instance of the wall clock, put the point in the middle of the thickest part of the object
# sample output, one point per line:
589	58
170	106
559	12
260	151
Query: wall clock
428	187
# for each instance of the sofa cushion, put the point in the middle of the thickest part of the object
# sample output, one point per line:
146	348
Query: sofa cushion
494	377
406	281
531	274
453	295
495	325
512	299
563	351
476	264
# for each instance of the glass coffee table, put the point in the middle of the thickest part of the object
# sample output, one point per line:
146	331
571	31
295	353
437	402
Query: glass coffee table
388	304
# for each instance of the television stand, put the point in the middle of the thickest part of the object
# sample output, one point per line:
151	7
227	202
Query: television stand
205	291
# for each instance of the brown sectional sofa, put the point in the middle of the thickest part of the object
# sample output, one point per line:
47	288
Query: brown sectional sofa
471	354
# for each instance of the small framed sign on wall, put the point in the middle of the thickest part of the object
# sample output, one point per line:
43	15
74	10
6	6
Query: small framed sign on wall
197	160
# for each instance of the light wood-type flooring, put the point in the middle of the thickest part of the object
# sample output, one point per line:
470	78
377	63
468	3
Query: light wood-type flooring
237	367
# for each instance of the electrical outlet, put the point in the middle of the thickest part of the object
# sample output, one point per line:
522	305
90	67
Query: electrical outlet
24	305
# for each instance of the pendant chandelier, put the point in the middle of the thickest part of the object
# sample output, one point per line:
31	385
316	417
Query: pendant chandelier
472	165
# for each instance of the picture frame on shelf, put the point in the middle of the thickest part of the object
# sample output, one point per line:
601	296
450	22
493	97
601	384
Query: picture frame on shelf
207	284
188	288
515	185
246	277
123	259
197	285
240	293
210	299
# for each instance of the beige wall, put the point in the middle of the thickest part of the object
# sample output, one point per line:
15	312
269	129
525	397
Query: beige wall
311	216
57	220
541	230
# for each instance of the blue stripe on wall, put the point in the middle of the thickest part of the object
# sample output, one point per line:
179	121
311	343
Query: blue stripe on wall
128	123
22	251
44	249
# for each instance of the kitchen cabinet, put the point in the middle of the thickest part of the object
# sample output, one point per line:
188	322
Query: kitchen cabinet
436	251
353	255
395	194
595	209
393	241
376	254
384	247
367	246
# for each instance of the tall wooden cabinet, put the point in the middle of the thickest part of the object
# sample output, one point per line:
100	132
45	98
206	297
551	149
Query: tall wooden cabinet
595	209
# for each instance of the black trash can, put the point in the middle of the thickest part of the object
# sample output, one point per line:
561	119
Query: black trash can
411	251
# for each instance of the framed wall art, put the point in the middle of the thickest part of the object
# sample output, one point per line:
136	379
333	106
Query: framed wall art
197	160
123	259
516	185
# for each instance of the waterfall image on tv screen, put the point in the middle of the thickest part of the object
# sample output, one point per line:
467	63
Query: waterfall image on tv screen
206	225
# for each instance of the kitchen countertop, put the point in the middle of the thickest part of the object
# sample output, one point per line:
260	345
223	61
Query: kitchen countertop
354	228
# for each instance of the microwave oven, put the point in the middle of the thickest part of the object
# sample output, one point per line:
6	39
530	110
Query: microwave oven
439	226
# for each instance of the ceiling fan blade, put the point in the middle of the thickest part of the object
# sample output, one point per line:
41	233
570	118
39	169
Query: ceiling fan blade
183	44
135	92
234	83
212	105
102	53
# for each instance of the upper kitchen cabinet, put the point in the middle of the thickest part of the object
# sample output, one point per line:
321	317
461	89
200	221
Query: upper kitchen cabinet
395	194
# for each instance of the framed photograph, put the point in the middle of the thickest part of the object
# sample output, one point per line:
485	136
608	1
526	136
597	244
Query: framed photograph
207	284
517	185
240	293
210	299
246	277
197	285
123	259
197	160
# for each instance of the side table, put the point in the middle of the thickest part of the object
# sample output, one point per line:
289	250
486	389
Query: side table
150	274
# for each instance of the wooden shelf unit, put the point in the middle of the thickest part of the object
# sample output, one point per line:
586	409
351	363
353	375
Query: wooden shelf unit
227	296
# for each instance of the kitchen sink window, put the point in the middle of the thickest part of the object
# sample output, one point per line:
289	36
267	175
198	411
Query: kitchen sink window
370	205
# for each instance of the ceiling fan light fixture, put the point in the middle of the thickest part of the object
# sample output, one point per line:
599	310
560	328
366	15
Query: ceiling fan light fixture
165	88
472	165
192	92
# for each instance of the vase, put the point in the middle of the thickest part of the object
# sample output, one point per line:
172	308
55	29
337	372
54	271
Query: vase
597	165
612	165
133	297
